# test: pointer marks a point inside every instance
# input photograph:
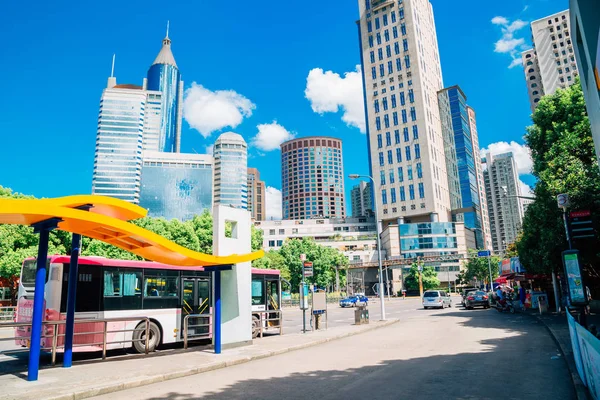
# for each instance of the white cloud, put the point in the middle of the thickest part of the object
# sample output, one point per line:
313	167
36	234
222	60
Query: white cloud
273	203
329	92
520	152
508	43
208	111
270	136
526	190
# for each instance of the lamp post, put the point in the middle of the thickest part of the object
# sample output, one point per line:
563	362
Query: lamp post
381	296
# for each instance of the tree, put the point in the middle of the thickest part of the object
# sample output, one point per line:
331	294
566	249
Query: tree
477	268
564	161
429	278
273	260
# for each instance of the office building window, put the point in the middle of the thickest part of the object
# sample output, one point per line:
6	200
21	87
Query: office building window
399	155
397	136
413	114
369	26
417	151
388	51
381	160
385	104
388	139
405	131
370	41
385	19
376	105
386	35
381	70
377	24
386	121
407	61
404	117
372	57
415	132
411	192
402	99
374	72
405	44
393	101
378	38
390	157
421	191
393	15
395	117
402	194
382	177
384	196
380	54
419	170
398	64
395	32
407	151
379	141
393	194
392	180
396	48
403	29
378	123
411	95
400	175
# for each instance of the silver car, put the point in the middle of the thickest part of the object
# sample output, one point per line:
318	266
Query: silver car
436	299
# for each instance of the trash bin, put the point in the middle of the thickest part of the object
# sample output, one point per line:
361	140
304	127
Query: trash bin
361	315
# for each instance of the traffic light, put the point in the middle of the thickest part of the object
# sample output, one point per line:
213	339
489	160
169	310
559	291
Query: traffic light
581	225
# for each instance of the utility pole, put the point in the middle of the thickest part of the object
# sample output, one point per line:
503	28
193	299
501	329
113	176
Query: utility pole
420	268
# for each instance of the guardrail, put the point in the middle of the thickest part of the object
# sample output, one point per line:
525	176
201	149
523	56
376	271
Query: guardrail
196	335
296	302
50	330
265	317
7	313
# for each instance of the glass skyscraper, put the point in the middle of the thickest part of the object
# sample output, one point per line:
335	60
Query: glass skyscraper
164	76
230	152
176	185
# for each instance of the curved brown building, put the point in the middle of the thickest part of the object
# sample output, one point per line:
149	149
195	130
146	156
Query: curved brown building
312	178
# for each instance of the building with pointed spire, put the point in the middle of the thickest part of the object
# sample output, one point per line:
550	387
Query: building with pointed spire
164	76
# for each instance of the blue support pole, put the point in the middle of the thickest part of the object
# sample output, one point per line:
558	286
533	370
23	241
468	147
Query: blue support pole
217	311
71	296
38	306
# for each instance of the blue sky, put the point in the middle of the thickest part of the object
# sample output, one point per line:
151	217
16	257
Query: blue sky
250	62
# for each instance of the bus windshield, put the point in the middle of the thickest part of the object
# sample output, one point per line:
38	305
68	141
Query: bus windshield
28	273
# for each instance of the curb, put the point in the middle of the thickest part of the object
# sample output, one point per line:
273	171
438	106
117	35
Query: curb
133	383
580	390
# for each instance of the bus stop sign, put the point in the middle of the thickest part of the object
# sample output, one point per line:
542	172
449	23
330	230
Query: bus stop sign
308	269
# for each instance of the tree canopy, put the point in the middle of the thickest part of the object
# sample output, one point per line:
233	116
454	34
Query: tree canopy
477	268
429	278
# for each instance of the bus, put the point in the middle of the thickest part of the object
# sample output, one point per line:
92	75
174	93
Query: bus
109	288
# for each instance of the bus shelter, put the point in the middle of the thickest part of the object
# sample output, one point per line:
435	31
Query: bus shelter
107	219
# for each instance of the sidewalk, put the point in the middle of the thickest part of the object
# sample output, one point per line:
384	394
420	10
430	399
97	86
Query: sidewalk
92	379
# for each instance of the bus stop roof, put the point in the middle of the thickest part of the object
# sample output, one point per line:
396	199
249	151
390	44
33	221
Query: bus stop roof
107	219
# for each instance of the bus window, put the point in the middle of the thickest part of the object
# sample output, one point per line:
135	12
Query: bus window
122	289
161	289
258	292
89	289
28	273
273	292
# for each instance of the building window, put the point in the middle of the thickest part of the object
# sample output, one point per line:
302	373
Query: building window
415	132
403	29
271	232
393	101
369	26
395	32
417	151
405	44
380	54
385	104
388	51
393	194
390	68
385	19
271	243
398	64
419	170
374	72
388	139
392	180
407	61
411	191
399	155
377	24
404	117
421	191
393	15
378	123
409	173
386	121
379	141
407	151
402	194
395	118
413	114
381	70
382	177
534	85
390	157
381	159
411	95
378	38
396	48
370	41
405	134
372	57
400	175
384	196
386	35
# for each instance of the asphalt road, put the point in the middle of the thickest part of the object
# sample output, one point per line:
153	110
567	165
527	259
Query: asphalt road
429	354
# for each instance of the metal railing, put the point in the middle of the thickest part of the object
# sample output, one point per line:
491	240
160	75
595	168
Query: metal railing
296	302
265	317
196	335
50	330
7	313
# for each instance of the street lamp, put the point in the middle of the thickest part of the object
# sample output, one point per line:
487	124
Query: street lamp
381	297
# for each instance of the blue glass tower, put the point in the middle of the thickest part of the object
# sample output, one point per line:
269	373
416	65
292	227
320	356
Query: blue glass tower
164	76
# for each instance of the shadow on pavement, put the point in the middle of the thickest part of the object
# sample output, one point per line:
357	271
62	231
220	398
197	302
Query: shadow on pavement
522	365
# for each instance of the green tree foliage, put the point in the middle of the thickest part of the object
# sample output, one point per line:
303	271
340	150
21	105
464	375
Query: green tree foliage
324	259
564	161
429	278
477	269
273	260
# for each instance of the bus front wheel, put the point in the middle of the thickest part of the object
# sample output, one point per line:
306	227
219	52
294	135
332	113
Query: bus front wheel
255	326
139	337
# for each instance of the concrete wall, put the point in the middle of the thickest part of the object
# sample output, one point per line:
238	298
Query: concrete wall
236	297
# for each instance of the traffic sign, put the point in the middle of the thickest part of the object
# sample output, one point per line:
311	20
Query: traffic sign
563	200
483	253
581	224
308	269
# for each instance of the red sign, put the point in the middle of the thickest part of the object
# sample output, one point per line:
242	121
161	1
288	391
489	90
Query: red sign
580	213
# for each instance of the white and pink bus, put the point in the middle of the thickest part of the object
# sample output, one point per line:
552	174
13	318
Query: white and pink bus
108	288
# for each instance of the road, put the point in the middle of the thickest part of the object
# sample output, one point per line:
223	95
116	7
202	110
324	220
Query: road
429	354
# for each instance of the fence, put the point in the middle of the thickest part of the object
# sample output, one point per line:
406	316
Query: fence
265	317
296	302
7	314
202	329
586	351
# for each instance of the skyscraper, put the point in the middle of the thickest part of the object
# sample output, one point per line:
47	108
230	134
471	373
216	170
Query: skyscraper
502	185
256	195
401	78
551	64
124	116
164	76
176	185
312	178
362	199
464	172
230	182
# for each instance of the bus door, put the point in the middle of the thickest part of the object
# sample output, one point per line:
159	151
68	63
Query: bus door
195	300
273	301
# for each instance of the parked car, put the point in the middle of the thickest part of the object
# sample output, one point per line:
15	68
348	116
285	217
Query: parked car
354	301
465	291
476	298
437	299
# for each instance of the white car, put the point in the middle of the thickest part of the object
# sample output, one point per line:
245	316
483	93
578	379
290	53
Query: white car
436	299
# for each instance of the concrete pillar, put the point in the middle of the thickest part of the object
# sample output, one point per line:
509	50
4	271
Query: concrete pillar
236	296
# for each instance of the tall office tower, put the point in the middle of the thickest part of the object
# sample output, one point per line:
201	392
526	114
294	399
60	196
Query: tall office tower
230	182
121	123
176	185
502	185
485	217
164	76
256	195
401	78
464	171
361	199
312	178
551	64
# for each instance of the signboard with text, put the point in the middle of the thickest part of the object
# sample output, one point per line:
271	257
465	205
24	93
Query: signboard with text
308	269
575	287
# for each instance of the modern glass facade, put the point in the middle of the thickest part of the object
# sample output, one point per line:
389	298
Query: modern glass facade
429	239
231	171
468	190
164	76
118	155
312	178
176	185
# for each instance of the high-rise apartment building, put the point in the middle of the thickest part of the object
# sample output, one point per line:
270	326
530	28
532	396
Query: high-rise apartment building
125	114
230	182
361	198
401	78
502	185
312	178
164	76
585	21
256	196
463	163
176	185
551	63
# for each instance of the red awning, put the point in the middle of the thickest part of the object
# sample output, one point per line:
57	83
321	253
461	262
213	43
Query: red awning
501	279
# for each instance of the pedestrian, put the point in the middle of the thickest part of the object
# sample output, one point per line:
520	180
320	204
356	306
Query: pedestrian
522	296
